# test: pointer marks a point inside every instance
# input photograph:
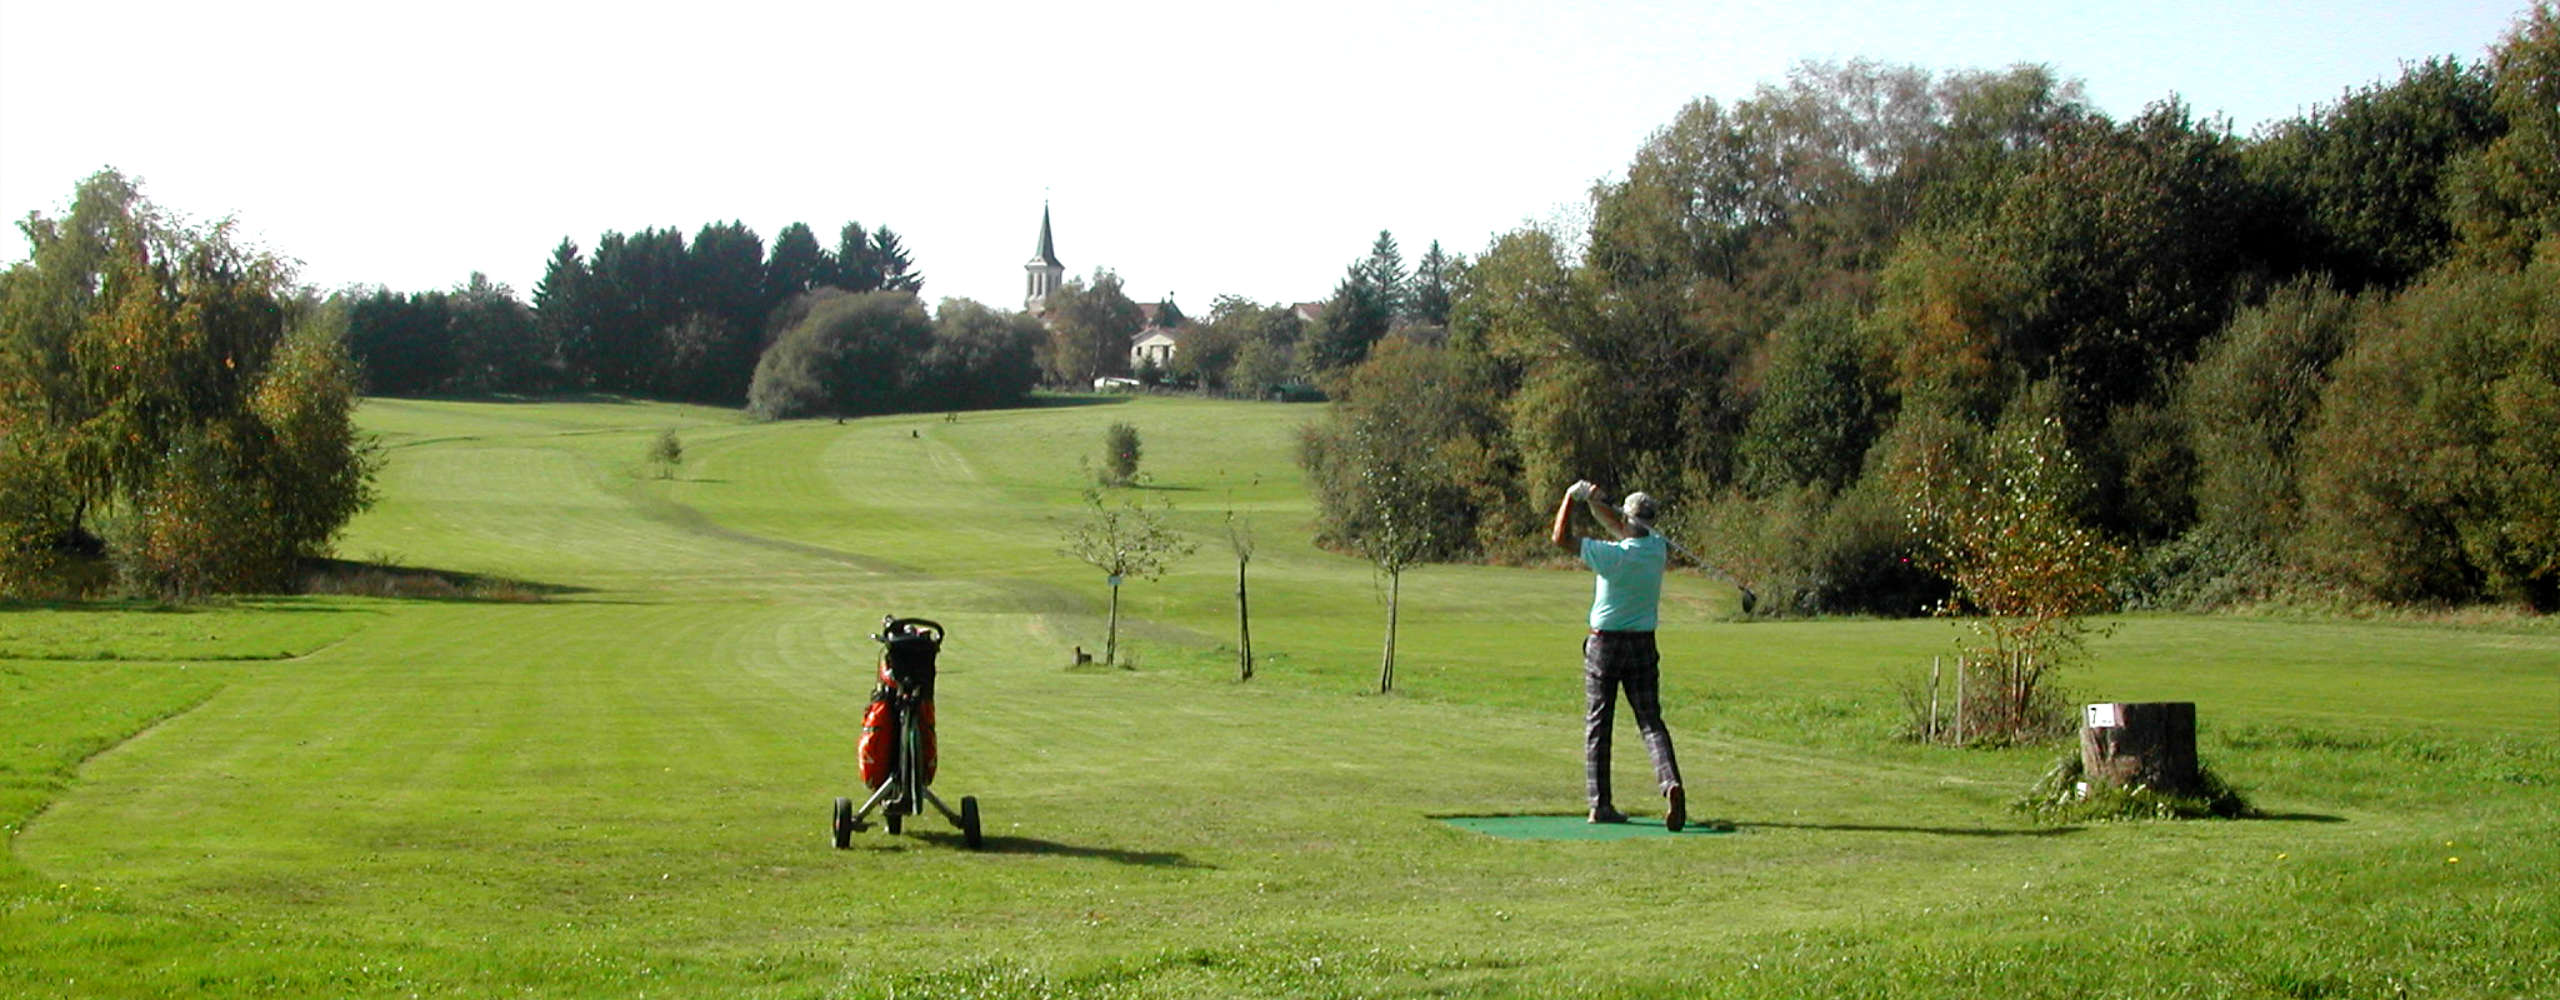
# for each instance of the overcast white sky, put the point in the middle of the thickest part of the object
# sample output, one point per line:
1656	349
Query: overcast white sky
1197	148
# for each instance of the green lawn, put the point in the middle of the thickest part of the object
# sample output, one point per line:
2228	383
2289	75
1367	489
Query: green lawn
621	789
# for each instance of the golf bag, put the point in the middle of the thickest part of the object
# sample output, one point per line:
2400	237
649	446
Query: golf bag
906	668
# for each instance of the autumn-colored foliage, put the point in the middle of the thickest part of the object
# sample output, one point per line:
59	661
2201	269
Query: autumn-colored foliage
169	400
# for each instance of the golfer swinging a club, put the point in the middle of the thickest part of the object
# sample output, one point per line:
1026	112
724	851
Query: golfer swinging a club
1619	654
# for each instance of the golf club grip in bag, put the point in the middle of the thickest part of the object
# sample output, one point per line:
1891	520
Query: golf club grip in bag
879	748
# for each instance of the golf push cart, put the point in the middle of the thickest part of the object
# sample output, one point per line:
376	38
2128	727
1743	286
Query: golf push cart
897	749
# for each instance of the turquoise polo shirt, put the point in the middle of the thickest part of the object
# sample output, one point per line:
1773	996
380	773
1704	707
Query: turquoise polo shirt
1628	596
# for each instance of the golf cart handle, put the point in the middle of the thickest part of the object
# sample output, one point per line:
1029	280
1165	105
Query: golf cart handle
892	625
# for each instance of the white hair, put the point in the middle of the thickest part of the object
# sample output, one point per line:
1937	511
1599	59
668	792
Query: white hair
1639	509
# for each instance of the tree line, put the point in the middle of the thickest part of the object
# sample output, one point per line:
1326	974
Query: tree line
1822	320
647	314
176	412
1243	347
2318	361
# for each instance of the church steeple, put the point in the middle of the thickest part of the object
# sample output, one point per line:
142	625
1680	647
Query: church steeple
1044	271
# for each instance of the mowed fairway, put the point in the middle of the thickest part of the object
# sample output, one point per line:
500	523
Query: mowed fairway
620	789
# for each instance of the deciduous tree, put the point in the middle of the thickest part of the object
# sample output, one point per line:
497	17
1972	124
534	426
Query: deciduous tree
1122	540
2002	526
1091	322
2506	198
981	358
851	355
175	376
1396	470
2360	183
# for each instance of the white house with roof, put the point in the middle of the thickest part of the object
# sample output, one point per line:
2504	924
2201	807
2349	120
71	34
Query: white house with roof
1155	344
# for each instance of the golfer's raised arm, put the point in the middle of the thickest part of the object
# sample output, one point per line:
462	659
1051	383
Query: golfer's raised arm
1609	518
1560	534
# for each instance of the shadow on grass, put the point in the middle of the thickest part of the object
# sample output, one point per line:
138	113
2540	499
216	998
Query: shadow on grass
291	604
1051	848
516	397
1933	831
2295	817
1049	400
362	579
122	605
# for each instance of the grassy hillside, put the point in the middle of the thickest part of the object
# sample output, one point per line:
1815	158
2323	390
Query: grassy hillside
611	781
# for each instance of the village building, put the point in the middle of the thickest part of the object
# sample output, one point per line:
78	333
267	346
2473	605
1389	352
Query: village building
1155	343
1044	272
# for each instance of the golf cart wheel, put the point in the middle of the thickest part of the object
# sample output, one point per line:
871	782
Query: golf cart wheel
844	823
969	822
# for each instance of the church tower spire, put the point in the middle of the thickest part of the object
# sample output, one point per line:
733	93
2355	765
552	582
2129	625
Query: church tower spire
1044	271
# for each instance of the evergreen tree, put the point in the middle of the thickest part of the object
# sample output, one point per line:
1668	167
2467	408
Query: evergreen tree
403	342
797	265
890	259
497	345
1359	313
710	348
1385	270
1434	279
563	312
638	296
873	260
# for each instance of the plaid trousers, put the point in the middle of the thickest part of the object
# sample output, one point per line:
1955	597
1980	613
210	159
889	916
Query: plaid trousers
1612	661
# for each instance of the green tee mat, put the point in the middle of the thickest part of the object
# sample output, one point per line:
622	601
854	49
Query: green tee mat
1577	827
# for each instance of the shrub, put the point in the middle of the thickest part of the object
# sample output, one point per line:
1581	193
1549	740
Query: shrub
1120	454
37	522
666	453
201	526
2060	797
2004	530
849	355
2241	407
2426	474
1414	438
1806	551
1763	544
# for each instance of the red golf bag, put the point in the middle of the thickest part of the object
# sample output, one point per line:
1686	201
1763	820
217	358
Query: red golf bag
906	678
879	751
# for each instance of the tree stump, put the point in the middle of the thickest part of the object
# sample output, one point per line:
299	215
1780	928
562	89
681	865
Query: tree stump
2149	744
